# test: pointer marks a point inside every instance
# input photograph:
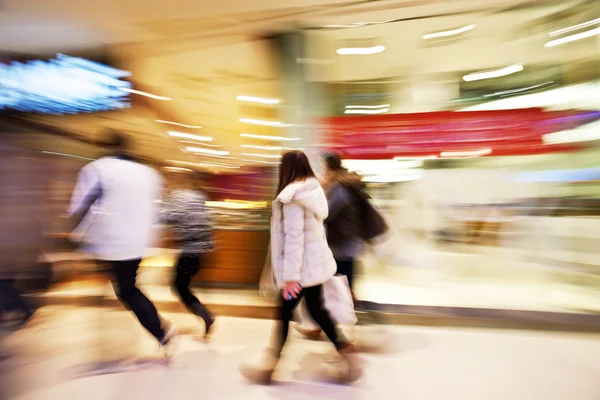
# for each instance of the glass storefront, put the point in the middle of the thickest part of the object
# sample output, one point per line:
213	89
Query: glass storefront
489	229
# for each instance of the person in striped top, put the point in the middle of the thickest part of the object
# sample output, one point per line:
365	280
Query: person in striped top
184	209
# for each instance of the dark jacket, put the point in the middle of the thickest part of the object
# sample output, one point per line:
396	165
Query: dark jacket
343	222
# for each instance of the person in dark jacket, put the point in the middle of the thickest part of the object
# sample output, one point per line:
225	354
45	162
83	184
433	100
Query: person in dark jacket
343	223
185	210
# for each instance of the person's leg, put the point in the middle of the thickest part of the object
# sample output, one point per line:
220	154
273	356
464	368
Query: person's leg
286	311
13	298
187	266
315	304
124	282
346	267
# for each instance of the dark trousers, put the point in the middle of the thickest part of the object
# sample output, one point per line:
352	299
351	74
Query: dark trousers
346	267
187	266
124	282
11	299
314	302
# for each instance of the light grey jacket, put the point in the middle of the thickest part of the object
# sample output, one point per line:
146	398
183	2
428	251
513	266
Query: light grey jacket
299	249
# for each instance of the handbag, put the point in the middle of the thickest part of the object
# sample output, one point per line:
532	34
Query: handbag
266	286
338	300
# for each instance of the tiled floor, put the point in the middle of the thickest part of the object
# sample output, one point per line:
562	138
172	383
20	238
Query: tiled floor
41	362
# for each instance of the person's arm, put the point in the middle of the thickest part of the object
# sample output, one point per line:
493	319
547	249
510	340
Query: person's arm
87	190
338	198
293	248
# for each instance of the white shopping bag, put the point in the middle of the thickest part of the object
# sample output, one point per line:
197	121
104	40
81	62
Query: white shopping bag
338	300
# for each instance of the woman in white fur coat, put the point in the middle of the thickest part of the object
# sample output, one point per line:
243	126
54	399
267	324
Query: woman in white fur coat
301	261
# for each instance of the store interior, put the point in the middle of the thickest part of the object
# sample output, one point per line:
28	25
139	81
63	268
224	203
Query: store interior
476	126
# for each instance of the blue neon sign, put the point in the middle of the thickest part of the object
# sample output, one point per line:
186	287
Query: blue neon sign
63	85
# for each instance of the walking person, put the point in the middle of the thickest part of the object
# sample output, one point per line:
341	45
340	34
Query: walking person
185	210
343	225
301	262
119	196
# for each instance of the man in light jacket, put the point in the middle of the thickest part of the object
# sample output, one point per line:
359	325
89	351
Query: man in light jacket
118	198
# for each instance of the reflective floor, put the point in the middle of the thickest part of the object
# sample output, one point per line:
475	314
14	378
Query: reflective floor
46	359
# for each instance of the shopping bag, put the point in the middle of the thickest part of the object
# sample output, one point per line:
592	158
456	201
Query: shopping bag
338	300
267	286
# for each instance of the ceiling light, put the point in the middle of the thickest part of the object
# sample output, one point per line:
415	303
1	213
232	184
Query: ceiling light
378	111
358	24
451	32
207	151
200	144
178	169
152	96
178	124
274	148
263	162
190	136
263	122
572	38
265	137
203	164
575	27
505	92
496	73
373	107
261	155
474	153
360	50
260	100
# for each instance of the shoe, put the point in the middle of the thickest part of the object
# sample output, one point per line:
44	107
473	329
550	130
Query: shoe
169	341
354	371
199	310
312	334
261	374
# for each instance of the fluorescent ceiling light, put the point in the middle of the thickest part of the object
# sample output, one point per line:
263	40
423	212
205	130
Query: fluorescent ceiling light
190	136
474	153
505	92
261	155
265	137
203	164
274	148
68	155
178	124
358	24
451	32
572	38
207	151
263	162
496	73
575	27
378	111
360	50
370	107
152	96
178	169
260	100
199	144
263	122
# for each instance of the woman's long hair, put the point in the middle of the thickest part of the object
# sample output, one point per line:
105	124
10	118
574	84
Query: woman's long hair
294	167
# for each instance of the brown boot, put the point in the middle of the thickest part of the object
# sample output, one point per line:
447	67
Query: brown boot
262	373
312	334
354	370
